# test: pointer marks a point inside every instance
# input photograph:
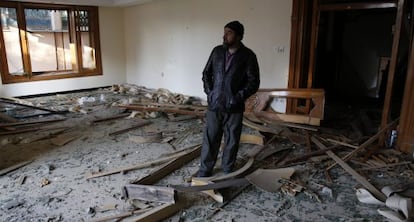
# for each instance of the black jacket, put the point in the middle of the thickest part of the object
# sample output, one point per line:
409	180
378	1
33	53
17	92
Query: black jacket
227	90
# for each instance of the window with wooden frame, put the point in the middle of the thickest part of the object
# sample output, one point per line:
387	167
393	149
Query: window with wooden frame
45	41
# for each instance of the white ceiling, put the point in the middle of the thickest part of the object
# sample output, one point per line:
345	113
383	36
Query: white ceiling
110	3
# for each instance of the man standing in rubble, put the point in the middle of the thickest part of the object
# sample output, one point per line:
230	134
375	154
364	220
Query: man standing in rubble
230	77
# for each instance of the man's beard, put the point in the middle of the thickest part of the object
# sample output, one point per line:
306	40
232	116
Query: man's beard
227	44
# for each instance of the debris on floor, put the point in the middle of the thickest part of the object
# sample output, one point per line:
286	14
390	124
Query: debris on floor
130	153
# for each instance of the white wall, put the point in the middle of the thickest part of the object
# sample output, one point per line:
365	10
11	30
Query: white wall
169	41
113	60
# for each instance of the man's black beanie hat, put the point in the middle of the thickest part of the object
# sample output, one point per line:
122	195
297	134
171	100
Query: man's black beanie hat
237	27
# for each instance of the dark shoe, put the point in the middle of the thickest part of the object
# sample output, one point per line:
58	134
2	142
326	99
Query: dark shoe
203	174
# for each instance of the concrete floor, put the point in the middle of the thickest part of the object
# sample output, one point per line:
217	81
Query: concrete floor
68	196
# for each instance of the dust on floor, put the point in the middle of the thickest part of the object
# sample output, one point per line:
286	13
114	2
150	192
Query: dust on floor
53	186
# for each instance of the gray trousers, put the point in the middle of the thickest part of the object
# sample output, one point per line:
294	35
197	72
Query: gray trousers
219	123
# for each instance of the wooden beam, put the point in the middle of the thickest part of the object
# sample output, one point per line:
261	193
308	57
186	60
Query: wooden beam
121	215
161	212
9	101
140	165
405	139
14	167
168	108
378	194
342	143
261	128
311	154
31	122
365	144
212	193
149	193
174	164
289	118
386	166
393	66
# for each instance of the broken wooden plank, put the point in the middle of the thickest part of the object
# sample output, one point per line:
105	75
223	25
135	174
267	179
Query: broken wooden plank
212	193
268	152
174	164
289	118
121	215
295	138
311	154
385	166
378	194
207	185
228	200
9	101
139	125
31	122
20	131
251	139
261	128
14	167
342	143
182	137
42	135
186	110
365	144
149	193
160	212
171	105
63	139
139	166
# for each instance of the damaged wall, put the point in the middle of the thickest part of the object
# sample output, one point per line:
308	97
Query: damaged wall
168	42
113	62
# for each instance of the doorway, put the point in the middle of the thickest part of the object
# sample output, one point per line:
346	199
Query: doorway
352	60
347	48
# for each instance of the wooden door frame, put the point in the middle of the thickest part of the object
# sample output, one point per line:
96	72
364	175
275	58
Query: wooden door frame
303	52
304	41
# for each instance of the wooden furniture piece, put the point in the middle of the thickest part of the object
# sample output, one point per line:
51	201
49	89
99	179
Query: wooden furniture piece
258	105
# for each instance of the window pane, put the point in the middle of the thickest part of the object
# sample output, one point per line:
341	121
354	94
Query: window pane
48	40
46	20
12	41
88	51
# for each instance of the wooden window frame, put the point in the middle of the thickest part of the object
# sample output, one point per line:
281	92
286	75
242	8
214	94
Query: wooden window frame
74	38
